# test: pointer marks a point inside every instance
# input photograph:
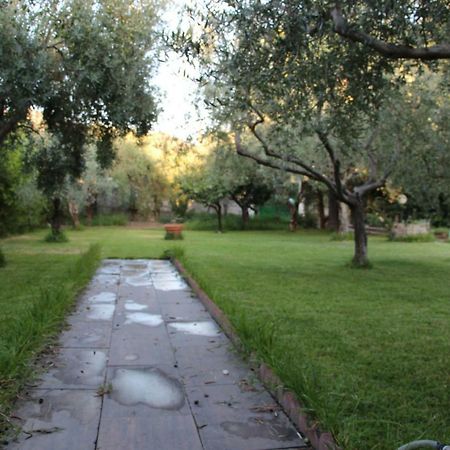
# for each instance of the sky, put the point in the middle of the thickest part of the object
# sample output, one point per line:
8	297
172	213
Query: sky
179	117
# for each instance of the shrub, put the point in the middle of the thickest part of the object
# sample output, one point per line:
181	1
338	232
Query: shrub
173	236
175	252
375	220
425	237
56	237
233	222
2	259
107	220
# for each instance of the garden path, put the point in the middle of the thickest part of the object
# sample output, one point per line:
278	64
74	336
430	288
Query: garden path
143	366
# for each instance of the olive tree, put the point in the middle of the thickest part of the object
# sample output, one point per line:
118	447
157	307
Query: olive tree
86	66
312	101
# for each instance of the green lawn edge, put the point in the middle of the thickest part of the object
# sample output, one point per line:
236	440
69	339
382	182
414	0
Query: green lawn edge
33	329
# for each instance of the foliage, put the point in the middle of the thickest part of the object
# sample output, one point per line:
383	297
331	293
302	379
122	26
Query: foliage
231	222
79	73
248	184
169	236
105	220
301	94
206	186
423	115
424	237
137	173
174	252
21	207
79	64
56	238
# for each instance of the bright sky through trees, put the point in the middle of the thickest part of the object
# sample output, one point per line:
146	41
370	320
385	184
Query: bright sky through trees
179	116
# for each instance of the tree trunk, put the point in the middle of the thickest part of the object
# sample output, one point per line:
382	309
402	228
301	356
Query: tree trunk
293	224
344	219
55	220
245	217
333	223
73	210
360	258
218	209
321	210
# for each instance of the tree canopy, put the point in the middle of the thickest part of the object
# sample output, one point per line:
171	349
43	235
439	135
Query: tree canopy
85	66
316	104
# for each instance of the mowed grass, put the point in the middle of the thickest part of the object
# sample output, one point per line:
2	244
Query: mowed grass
368	351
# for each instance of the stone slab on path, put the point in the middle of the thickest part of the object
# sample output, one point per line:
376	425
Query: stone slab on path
144	367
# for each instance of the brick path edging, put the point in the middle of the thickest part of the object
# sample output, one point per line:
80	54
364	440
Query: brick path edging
319	440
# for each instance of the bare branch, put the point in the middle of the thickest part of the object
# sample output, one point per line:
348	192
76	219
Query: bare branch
308	169
369	186
265	162
341	27
341	191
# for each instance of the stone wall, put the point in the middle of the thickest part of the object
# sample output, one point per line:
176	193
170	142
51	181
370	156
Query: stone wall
400	229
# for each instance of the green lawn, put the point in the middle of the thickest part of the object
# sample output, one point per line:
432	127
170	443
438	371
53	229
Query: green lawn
367	350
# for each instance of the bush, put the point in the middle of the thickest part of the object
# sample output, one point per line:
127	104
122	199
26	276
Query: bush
233	222
441	230
2	259
107	220
426	237
56	237
307	221
173	236
375	220
175	252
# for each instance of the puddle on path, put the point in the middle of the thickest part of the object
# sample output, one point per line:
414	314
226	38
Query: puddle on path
130	305
169	285
139	280
109	270
107	280
150	320
206	328
136	264
103	297
151	387
101	312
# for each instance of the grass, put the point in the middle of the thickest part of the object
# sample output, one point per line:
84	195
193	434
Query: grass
37	292
424	237
367	351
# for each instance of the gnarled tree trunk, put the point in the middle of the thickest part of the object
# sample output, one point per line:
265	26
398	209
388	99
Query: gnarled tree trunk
55	219
73	211
245	216
333	212
360	258
218	208
321	210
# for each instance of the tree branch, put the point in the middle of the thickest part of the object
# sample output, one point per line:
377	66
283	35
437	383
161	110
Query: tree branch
369	186
335	163
264	162
308	169
341	27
